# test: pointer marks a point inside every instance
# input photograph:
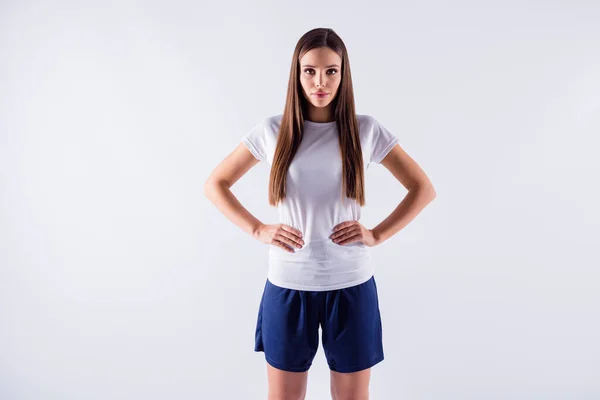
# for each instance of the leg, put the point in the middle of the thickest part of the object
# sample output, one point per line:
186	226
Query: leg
285	385
352	338
350	386
287	331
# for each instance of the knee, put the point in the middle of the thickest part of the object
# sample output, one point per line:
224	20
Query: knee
286	396
349	396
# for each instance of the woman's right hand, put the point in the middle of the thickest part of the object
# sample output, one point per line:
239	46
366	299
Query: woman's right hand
280	235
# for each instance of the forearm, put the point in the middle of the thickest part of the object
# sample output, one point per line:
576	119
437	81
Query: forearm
415	200
222	197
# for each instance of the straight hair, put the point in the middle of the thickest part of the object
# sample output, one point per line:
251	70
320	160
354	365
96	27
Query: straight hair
292	123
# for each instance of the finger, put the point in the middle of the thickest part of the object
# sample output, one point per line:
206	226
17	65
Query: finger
291	236
292	230
295	239
348	233
351	239
344	232
348	226
283	246
344	225
289	240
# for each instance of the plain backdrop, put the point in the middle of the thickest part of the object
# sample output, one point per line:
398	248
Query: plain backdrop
120	280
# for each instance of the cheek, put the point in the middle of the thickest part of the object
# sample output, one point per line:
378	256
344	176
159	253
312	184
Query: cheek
336	82
305	83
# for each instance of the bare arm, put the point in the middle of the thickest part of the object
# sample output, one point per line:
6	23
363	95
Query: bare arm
420	193
217	189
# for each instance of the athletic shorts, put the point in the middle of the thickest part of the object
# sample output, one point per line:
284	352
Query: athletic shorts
288	325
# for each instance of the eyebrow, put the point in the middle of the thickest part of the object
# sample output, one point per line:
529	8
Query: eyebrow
312	66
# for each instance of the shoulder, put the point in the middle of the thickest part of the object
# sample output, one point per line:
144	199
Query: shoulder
262	137
366	122
266	127
364	118
367	125
273	122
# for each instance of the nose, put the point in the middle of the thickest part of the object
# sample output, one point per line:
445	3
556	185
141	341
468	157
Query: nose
320	81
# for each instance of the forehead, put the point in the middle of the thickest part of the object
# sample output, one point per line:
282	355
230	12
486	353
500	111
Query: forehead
321	57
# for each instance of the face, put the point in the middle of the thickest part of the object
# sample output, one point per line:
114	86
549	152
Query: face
320	71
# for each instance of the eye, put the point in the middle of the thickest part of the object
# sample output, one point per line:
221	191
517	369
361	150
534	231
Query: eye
333	69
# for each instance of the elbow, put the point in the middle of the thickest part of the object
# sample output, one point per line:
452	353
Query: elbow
426	189
208	188
431	191
211	184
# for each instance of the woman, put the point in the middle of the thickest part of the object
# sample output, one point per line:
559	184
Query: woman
320	273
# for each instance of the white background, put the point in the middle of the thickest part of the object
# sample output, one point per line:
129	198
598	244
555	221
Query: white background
120	280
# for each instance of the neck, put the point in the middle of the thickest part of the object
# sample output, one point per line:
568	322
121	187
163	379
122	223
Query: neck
320	114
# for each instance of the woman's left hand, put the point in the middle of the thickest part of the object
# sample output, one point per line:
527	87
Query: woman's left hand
352	231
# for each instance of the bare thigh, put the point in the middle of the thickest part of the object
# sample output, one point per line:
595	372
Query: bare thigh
352	385
286	385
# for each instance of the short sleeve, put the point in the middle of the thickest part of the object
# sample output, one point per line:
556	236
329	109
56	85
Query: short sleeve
382	142
255	141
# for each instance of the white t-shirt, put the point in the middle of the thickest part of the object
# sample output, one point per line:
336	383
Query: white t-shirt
314	204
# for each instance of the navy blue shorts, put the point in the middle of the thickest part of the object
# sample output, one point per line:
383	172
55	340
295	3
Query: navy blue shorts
288	325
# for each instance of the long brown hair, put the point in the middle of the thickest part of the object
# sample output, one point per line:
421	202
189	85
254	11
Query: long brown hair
292	123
